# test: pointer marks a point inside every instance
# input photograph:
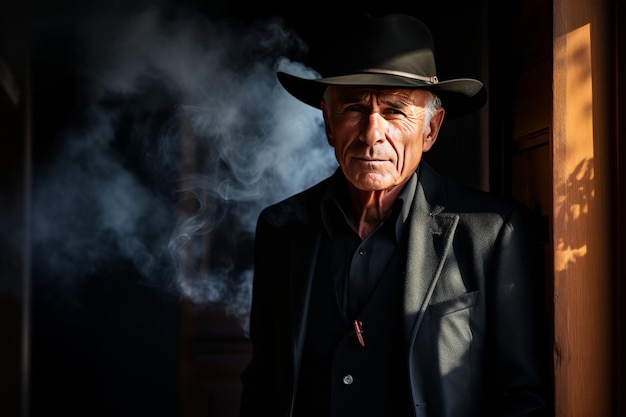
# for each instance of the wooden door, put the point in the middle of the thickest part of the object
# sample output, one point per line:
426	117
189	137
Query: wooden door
555	128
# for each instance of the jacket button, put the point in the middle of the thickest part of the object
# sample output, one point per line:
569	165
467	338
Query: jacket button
348	379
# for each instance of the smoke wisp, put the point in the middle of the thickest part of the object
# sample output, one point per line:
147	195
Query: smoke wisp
184	136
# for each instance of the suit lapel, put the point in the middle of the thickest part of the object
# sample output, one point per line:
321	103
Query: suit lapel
430	239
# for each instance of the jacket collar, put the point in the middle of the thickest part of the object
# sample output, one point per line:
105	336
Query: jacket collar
431	232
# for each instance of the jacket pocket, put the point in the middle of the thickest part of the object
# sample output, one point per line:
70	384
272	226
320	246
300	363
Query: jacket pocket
455	304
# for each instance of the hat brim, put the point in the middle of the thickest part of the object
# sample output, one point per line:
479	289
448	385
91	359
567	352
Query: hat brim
460	97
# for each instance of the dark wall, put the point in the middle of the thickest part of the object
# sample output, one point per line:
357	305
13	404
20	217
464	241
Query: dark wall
103	338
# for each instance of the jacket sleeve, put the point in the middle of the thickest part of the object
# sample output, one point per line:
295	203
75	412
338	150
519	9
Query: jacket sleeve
259	377
519	324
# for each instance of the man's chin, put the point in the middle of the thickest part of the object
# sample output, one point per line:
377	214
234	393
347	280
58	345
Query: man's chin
372	181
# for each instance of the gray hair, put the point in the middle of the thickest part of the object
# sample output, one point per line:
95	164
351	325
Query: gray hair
432	104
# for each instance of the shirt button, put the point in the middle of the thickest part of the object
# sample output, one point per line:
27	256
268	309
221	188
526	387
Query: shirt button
362	251
347	380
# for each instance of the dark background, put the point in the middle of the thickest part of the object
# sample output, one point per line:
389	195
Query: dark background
108	343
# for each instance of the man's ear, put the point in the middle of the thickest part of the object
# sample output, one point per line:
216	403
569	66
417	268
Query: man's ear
433	129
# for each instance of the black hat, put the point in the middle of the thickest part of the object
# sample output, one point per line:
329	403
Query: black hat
390	51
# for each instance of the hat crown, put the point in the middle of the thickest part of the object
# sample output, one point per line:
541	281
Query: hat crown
394	51
395	42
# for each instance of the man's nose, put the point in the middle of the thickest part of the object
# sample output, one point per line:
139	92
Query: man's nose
374	130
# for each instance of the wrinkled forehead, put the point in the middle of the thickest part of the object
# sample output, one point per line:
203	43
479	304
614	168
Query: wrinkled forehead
357	93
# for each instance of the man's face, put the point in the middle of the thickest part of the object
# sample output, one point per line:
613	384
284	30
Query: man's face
378	134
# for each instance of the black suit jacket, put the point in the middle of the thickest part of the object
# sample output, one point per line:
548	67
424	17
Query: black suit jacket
474	322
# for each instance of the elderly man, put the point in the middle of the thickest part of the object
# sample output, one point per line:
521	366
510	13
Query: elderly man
386	289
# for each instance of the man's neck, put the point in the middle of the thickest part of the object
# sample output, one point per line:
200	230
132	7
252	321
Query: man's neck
370	208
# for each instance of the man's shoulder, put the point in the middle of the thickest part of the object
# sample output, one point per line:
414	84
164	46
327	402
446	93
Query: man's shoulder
465	198
460	197
313	193
297	207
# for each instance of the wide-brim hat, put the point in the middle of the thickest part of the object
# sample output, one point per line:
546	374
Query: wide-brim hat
391	51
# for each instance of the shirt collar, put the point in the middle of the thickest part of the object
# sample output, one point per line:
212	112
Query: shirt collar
335	202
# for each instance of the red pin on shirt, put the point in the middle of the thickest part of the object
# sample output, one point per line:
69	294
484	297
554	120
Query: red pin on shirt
358	330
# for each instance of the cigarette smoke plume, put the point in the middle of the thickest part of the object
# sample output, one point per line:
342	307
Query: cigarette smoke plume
184	135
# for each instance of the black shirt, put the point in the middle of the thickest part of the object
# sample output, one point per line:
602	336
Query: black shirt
343	258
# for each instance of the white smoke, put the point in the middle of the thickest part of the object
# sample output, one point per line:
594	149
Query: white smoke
185	135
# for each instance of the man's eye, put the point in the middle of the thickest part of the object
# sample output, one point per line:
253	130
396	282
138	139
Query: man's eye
391	112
